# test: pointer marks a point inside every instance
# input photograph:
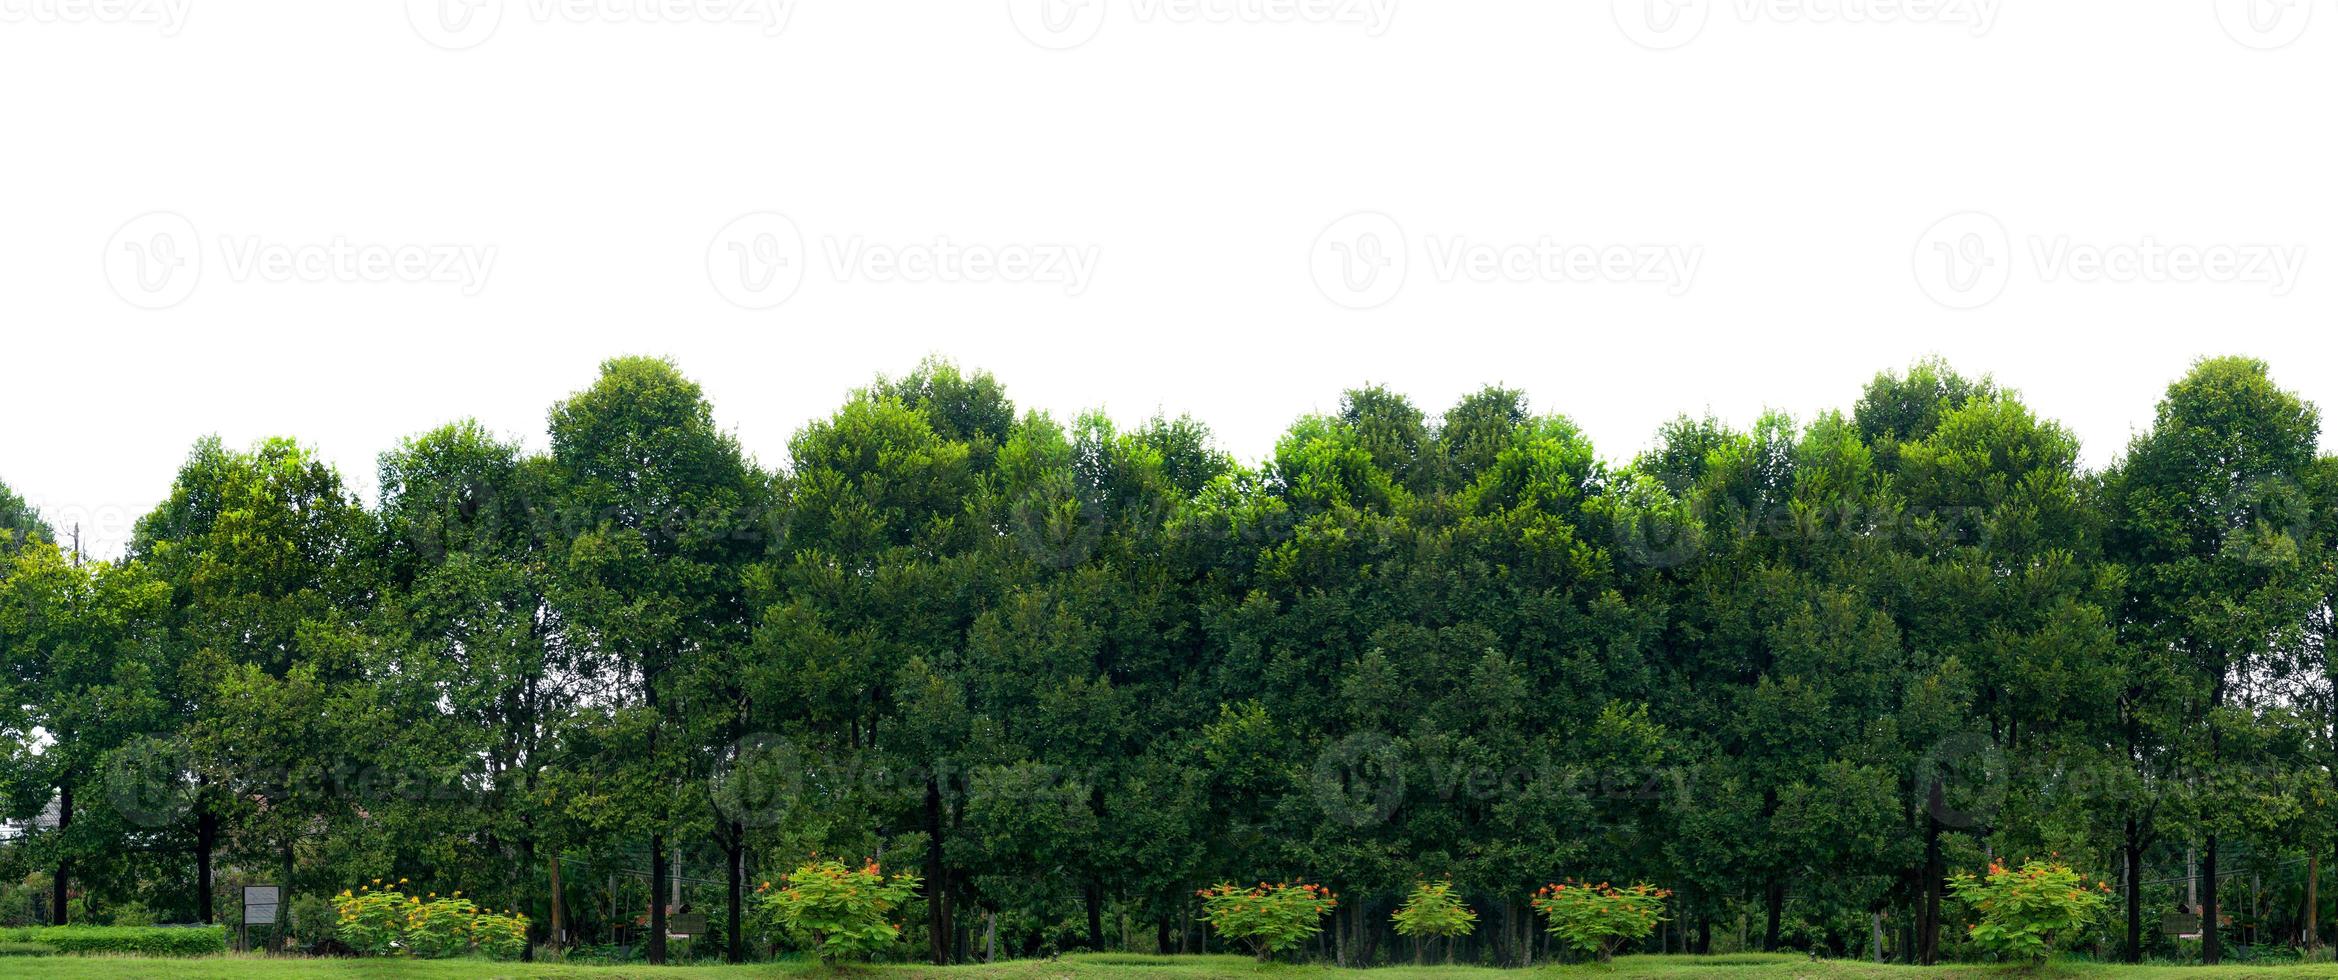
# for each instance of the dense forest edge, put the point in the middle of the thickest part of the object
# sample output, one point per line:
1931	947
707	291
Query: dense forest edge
1072	672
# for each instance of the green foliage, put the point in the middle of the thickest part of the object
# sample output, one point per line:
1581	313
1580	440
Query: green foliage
837	912
2025	913
1432	909
1269	918
387	921
1597	920
141	940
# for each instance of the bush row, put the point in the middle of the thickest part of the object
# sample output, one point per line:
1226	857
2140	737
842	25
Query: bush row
144	940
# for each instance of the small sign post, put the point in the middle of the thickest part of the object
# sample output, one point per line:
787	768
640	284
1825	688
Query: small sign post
260	908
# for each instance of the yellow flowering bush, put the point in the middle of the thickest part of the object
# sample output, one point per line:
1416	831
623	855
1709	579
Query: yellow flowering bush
836	911
2026	912
383	920
1596	920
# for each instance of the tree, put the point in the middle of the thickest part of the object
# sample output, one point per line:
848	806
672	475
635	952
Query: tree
657	512
2208	514
266	558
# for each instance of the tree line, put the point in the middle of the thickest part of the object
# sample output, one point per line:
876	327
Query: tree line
1800	673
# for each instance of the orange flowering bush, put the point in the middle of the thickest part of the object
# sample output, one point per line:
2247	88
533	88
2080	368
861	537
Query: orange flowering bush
1596	920
2025	911
1268	917
385	921
836	911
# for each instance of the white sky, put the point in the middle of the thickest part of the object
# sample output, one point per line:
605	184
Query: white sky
1202	161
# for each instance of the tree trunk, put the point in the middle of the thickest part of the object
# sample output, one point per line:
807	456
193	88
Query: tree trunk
64	863
206	838
936	876
2134	885
735	859
1928	920
658	873
1776	902
2211	937
1161	937
2313	902
556	903
1095	897
1875	925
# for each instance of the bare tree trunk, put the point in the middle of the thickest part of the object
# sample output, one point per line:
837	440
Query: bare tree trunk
2134	891
735	861
2211	937
64	864
937	881
658	873
556	903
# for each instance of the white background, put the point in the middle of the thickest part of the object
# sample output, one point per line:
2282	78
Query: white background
1804	153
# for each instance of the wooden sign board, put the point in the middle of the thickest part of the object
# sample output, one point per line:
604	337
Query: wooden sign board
260	903
2179	924
686	924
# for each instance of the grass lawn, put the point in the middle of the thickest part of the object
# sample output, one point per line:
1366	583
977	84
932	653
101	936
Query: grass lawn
1749	967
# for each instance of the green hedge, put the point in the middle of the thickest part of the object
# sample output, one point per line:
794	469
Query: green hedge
11	948
145	940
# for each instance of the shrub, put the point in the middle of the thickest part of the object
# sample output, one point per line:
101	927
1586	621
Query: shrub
2024	912
141	940
1596	920
389	922
1432	911
1269	918
836	911
12	948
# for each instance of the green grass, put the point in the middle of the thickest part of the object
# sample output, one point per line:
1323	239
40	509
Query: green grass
1077	967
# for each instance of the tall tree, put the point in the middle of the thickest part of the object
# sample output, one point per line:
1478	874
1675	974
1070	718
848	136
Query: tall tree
655	507
2208	514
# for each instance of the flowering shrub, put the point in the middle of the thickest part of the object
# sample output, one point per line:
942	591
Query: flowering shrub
386	921
2025	911
1268	917
837	911
1596	920
1433	911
